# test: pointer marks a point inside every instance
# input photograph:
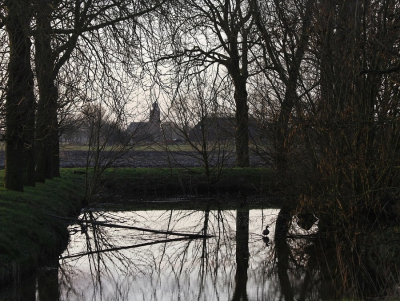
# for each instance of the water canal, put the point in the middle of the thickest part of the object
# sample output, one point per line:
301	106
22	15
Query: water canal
205	255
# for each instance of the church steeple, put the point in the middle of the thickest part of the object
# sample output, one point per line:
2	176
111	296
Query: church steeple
155	114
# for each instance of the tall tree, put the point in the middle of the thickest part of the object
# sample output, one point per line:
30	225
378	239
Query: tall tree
284	28
356	105
206	32
20	98
56	30
59	24
353	128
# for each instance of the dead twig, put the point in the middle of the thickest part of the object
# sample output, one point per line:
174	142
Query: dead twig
104	224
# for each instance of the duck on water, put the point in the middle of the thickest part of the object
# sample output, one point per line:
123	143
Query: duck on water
265	231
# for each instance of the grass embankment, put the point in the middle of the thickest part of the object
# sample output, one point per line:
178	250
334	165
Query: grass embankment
28	234
167	182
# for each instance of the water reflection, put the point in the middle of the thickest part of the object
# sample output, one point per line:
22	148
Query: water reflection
47	282
206	268
242	255
186	255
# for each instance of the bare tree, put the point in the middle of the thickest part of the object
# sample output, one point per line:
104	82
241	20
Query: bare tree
201	118
59	25
202	33
285	30
352	129
20	100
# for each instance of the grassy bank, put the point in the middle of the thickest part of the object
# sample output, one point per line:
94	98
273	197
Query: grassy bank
167	182
28	234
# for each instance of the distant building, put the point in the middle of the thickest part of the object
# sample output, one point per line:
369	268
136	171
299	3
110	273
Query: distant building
213	129
149	131
173	133
222	129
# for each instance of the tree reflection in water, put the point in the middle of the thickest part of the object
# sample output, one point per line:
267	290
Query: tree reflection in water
122	263
242	255
189	269
47	282
43	286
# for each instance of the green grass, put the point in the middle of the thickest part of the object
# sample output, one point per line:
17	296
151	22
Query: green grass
164	182
27	231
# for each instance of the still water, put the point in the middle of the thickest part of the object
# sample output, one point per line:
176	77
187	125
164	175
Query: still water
185	255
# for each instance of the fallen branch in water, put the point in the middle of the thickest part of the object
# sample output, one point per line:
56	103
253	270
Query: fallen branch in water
126	247
104	224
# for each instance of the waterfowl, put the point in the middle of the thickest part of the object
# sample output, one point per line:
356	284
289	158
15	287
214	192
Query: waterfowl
266	231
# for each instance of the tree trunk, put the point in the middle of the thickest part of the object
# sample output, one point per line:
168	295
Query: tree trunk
29	144
56	152
281	138
282	141
20	97
46	129
242	122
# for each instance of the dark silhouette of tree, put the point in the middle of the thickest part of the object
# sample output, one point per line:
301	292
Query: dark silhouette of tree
351	126
59	26
220	33
56	29
20	101
242	255
284	29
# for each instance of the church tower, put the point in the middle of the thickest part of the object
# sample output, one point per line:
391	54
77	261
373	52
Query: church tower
155	114
155	122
